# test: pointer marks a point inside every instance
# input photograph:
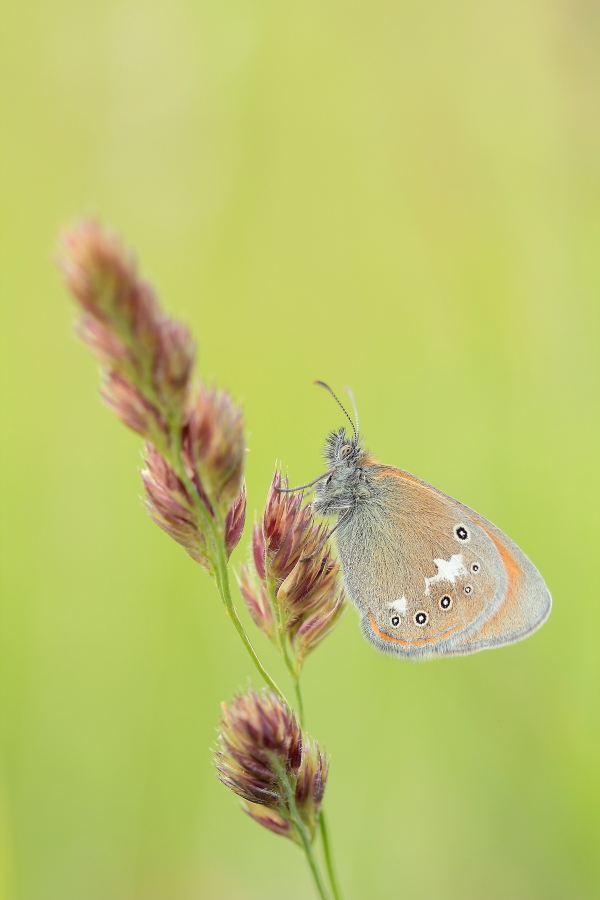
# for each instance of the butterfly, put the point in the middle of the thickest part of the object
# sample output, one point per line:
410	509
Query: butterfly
429	576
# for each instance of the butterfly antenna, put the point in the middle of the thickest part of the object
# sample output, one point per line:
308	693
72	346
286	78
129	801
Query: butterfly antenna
351	395
344	410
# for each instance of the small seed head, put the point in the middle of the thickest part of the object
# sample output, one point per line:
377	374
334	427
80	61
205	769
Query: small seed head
304	586
235	521
259	739
265	758
171	507
254	592
214	448
147	357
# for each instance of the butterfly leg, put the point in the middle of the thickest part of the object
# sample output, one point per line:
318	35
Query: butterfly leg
302	486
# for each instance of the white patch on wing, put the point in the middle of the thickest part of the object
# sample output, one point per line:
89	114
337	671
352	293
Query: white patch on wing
447	570
399	606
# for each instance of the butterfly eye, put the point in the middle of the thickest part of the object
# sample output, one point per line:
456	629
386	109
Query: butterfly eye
461	533
446	602
468	589
475	567
345	450
395	621
421	618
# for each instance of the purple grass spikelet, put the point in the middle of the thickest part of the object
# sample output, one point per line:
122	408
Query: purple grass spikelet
193	480
306	594
235	521
213	446
254	592
265	758
169	505
147	358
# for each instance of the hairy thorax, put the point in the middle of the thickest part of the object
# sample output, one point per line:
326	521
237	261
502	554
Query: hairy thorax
343	491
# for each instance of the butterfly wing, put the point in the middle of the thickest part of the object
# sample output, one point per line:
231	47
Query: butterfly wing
431	576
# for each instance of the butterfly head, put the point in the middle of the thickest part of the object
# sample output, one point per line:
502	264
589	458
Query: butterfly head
342	450
345	483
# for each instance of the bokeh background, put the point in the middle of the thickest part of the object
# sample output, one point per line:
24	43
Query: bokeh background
401	196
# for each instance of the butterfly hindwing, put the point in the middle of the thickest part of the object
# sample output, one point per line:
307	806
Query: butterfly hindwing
430	576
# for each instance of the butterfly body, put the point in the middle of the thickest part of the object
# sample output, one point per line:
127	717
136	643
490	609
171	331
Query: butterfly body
430	576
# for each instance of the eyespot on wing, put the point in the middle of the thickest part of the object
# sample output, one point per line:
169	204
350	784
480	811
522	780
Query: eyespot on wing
525	605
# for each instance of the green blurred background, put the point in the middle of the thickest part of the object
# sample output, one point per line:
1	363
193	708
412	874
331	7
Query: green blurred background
400	196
